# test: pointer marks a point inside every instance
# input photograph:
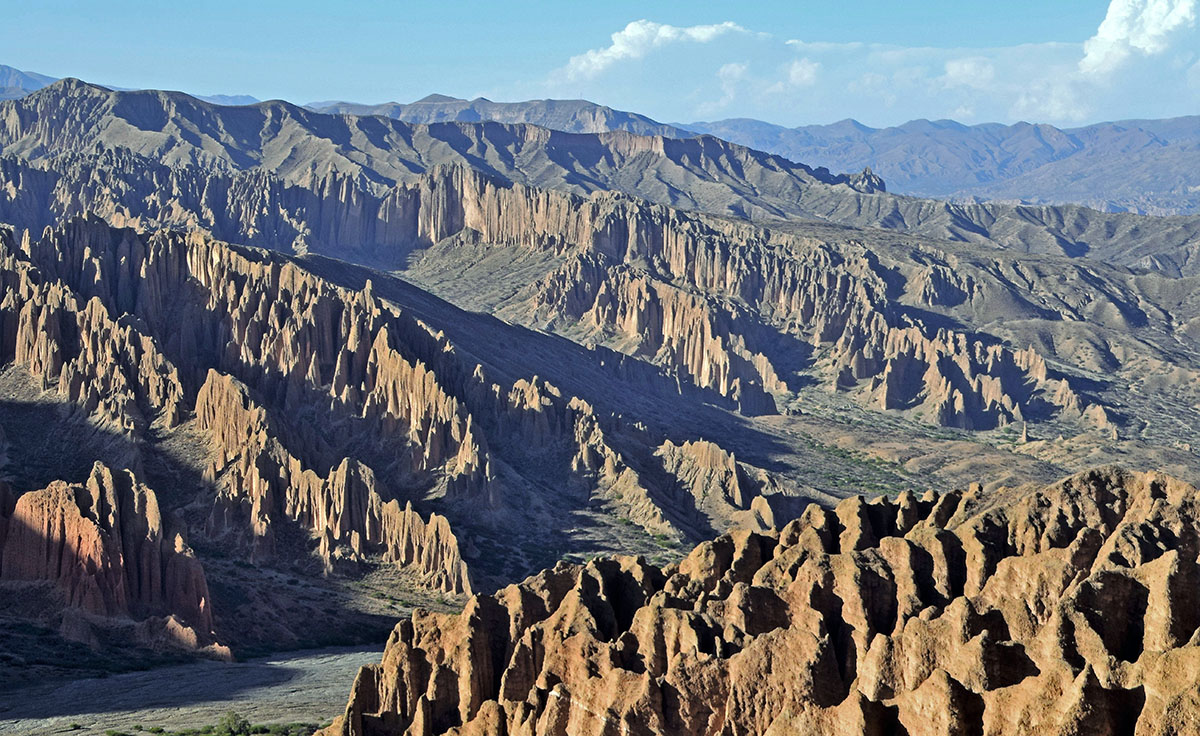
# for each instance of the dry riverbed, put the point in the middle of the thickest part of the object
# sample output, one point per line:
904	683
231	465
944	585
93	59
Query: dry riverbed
295	687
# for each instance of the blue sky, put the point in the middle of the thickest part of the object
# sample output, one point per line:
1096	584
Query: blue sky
797	62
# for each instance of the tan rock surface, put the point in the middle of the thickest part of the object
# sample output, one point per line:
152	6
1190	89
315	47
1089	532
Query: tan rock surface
104	543
1059	609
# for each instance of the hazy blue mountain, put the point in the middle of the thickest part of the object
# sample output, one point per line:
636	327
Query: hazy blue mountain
570	116
1148	166
229	99
15	84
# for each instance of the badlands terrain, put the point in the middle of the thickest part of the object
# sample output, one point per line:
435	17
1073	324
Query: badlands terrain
275	378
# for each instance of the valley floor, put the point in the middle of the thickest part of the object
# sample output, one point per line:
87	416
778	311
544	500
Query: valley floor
307	687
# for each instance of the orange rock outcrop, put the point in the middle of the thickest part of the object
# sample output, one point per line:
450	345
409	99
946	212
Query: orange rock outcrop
105	544
1069	608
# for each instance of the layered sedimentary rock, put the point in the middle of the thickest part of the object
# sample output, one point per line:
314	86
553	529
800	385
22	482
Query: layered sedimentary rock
78	346
260	480
684	312
326	407
662	284
106	545
358	158
1068	608
59	325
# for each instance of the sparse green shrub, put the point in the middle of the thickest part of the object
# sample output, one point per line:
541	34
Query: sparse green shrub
233	724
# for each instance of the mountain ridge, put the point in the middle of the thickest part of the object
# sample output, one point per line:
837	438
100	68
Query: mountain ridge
706	173
1034	163
1138	166
356	356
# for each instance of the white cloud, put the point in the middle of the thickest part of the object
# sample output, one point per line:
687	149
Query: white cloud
637	39
730	78
1141	26
1051	99
974	71
803	72
707	71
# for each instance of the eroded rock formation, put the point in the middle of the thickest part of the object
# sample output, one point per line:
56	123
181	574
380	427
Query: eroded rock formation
731	306
327	407
1061	609
107	546
260	481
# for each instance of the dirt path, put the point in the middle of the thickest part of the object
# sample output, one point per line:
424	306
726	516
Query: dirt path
307	687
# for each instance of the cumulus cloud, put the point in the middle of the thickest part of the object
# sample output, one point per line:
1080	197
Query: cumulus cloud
639	38
730	76
975	71
803	72
1141	61
1131	27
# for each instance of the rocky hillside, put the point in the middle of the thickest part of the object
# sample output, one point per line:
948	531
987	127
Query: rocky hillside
15	83
311	434
1059	609
104	546
1142	166
359	365
49	130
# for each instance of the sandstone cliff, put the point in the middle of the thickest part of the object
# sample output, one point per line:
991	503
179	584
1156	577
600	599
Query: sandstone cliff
732	307
1060	609
106	545
328	408
57	314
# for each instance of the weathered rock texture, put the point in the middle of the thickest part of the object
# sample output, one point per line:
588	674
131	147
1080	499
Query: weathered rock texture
1061	609
355	159
311	416
331	410
106	545
734	309
263	481
203	305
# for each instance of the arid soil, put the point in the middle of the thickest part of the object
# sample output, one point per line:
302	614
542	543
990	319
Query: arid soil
298	687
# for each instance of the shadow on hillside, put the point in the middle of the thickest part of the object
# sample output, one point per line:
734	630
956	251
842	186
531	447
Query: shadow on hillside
182	685
258	609
611	381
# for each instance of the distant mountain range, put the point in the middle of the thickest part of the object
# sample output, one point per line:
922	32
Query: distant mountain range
703	173
1146	166
1140	166
15	84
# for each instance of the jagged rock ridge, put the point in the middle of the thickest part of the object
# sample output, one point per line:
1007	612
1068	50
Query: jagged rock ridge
717	344
569	116
1059	609
370	154
272	353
